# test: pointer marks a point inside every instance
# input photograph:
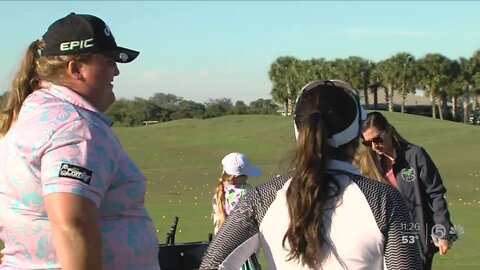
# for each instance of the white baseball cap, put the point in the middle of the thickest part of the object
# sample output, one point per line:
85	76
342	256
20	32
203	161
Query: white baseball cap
238	164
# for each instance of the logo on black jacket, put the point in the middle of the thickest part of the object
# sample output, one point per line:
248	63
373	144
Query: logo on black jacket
408	174
75	172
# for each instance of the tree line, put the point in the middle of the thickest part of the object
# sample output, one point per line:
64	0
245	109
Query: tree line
445	81
452	85
166	107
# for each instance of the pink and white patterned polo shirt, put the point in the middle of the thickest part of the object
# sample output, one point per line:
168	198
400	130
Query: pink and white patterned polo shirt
61	143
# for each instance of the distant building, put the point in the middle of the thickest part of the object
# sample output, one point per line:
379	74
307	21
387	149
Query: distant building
414	104
150	122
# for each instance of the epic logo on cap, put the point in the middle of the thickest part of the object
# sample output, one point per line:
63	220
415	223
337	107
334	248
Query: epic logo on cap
76	44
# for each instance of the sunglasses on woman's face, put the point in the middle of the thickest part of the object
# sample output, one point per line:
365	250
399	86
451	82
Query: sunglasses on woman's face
376	140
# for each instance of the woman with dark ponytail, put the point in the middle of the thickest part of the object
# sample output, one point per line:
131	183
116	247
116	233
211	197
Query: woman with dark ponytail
322	214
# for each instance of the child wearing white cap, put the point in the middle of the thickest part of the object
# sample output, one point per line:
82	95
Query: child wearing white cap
232	185
231	188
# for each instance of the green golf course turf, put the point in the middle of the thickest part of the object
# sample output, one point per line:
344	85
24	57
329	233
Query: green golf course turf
181	160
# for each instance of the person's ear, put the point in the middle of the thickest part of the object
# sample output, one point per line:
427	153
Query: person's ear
74	69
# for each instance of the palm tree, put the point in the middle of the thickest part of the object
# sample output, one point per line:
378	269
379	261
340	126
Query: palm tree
387	69
405	66
284	74
436	70
315	69
474	65
356	71
376	83
459	85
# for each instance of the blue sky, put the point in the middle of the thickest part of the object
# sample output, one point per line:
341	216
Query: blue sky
214	49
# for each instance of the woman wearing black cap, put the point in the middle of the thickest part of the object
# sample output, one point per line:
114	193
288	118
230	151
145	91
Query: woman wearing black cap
70	197
323	214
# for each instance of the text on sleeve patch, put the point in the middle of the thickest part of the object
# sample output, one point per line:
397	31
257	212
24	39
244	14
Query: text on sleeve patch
75	172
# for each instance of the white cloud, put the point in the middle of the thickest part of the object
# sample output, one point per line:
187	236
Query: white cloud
151	75
369	32
204	73
231	71
208	73
469	34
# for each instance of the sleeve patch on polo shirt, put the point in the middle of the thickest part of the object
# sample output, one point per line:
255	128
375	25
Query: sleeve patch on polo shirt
75	172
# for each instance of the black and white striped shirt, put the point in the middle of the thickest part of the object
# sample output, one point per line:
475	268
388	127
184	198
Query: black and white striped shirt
367	229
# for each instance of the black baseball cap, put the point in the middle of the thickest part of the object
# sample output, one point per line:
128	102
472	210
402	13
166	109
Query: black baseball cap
81	33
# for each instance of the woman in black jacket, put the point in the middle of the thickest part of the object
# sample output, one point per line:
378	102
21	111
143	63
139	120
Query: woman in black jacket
409	168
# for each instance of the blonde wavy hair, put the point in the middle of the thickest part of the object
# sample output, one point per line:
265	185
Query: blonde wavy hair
32	71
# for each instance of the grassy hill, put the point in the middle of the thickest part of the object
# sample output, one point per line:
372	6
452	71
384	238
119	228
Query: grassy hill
181	160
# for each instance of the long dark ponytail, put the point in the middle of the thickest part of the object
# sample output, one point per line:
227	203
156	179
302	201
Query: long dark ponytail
320	113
